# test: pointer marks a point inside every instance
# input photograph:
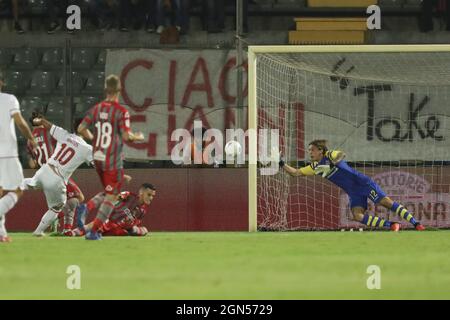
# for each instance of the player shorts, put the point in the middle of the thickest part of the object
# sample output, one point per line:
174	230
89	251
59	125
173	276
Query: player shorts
111	229
73	191
11	174
52	184
112	180
371	191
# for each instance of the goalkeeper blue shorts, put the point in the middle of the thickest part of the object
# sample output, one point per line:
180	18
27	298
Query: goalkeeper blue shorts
371	191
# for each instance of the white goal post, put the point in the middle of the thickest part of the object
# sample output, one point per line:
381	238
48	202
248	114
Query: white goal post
381	115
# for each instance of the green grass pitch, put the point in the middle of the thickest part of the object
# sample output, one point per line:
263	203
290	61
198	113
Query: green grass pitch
294	265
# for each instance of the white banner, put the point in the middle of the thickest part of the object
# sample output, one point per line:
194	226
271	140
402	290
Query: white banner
370	119
169	89
365	104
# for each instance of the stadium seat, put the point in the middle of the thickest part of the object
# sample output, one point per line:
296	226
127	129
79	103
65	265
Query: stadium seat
101	59
25	59
84	103
52	59
83	58
37	7
95	83
81	109
55	110
17	82
77	83
5	57
29	104
91	101
42	82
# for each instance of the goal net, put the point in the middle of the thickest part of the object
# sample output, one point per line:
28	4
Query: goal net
386	107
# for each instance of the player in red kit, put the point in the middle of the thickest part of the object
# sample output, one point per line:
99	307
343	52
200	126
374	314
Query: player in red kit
126	219
111	123
46	145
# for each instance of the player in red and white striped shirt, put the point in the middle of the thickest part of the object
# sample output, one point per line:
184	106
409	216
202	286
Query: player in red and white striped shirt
46	146
111	123
127	217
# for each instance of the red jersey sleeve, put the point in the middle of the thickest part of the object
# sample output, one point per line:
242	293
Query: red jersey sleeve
89	117
124	122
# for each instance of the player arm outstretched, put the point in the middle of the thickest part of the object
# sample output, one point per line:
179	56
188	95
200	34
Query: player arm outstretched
293	172
84	131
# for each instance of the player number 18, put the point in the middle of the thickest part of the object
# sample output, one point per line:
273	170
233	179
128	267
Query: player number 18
104	131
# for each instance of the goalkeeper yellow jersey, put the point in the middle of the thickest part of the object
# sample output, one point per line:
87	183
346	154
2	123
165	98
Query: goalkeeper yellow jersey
341	174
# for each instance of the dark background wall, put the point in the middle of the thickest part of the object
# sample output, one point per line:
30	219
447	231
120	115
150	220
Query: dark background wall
187	199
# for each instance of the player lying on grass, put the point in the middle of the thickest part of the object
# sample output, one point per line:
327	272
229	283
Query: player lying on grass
330	164
70	152
40	155
126	218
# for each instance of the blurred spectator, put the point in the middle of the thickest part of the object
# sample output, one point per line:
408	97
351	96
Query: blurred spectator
215	12
106	13
179	10
133	13
215	15
442	8
56	10
13	6
125	14
150	15
244	13
15	11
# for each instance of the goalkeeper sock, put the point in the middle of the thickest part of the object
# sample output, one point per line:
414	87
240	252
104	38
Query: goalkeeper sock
376	222
403	213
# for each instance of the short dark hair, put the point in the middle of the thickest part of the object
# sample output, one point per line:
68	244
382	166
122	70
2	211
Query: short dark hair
148	186
320	144
37	113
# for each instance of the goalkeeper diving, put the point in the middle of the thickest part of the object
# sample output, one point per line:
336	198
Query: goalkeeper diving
330	164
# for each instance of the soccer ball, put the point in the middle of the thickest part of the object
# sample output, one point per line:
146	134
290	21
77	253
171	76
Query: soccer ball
233	149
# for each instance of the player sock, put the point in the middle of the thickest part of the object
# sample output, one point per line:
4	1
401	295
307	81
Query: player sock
7	203
69	212
376	222
46	221
403	213
96	224
3	232
103	214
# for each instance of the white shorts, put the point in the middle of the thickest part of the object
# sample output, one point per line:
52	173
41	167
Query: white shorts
53	186
11	174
